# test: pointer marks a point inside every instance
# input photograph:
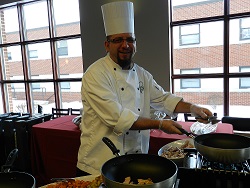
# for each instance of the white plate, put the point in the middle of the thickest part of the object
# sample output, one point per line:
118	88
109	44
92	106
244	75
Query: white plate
177	143
198	128
85	178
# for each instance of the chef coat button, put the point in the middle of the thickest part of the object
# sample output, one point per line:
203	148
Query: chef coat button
139	109
136	151
138	88
115	69
139	131
127	133
126	153
122	89
133	69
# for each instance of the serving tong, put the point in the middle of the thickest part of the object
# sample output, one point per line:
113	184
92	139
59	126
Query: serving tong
191	135
210	119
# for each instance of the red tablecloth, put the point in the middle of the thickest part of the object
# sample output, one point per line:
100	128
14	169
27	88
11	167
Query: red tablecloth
159	138
54	149
55	145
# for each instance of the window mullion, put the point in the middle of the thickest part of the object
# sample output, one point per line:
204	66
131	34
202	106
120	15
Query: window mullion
226	57
53	53
22	32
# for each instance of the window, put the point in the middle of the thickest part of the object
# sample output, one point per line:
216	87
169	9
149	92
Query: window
244	28
9	56
35	86
29	78
65	85
222	30
190	34
33	54
62	48
190	83
244	82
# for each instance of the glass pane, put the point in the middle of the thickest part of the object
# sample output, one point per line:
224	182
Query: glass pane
209	95
239	98
190	39
237	6
41	64
16	97
190	83
192	9
71	94
43	95
12	63
207	55
239	48
36	20
67	18
245	28
190	29
9	27
244	83
70	64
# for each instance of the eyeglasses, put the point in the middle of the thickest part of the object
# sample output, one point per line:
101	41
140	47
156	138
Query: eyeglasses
118	40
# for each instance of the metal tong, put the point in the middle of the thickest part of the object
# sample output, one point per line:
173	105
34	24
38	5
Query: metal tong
210	119
191	135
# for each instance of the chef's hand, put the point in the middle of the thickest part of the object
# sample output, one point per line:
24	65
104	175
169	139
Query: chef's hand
198	111
169	126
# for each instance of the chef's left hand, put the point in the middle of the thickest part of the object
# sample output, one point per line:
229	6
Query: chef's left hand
198	111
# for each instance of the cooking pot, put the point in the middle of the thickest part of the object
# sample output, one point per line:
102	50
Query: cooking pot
162	171
222	147
14	179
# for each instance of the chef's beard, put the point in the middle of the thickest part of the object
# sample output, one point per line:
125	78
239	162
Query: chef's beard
124	63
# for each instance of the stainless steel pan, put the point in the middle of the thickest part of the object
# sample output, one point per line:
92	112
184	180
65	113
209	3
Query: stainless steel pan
222	147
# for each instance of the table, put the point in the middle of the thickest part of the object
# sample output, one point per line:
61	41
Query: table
54	149
158	138
55	145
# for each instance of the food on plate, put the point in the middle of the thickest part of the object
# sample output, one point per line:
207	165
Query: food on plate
176	152
77	183
187	144
140	181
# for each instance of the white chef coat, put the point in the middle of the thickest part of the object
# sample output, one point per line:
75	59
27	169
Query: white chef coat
113	99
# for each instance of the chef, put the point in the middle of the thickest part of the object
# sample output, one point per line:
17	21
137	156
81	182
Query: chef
117	95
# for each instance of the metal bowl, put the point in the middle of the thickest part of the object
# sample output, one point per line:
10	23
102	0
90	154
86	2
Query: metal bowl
177	160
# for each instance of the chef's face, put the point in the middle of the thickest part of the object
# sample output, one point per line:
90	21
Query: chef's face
121	48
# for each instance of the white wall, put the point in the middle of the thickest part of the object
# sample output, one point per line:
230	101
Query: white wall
151	29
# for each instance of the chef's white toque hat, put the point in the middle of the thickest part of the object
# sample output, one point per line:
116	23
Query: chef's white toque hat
118	17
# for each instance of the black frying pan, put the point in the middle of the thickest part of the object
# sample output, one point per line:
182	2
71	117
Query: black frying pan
162	171
14	179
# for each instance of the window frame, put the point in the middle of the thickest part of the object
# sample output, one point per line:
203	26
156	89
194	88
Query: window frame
189	71
27	81
243	28
65	85
34	54
189	35
226	75
62	48
241	85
